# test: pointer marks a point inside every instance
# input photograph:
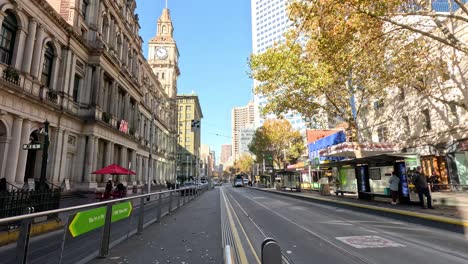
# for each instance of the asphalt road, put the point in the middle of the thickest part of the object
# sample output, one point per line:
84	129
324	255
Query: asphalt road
315	233
47	248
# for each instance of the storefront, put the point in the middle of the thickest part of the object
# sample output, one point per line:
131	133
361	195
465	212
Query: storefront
457	163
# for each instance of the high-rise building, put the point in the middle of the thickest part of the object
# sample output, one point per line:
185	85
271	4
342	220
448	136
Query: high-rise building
226	153
188	153
242	117
269	23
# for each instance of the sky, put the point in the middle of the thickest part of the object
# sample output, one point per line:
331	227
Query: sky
214	41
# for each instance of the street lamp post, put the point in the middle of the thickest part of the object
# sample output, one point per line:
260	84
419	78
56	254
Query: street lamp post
45	153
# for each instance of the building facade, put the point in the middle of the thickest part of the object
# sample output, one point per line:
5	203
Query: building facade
269	23
189	134
226	153
78	65
241	117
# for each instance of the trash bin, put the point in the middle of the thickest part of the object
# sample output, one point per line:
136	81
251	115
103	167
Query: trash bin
324	186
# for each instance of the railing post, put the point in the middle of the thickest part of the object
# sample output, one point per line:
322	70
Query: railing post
170	203
159	206
271	252
104	251
23	240
185	196
141	216
178	200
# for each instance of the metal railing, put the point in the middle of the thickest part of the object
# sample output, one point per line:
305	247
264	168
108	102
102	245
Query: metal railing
90	230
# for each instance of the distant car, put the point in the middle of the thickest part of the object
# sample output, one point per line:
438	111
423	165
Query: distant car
238	183
245	181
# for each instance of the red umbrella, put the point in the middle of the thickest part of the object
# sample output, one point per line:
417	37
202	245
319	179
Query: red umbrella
114	169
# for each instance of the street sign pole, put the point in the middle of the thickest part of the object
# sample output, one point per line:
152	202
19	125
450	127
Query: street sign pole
45	153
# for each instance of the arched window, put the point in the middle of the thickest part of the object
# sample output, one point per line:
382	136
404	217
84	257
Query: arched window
47	65
7	37
105	29
164	29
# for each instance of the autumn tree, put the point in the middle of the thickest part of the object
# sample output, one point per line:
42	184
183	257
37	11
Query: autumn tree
350	52
244	163
277	139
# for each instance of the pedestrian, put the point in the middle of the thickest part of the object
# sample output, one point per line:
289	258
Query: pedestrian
108	190
420	182
120	190
3	185
394	182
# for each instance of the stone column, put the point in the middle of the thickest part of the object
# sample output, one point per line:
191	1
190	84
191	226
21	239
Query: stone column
109	157
123	162
96	85
38	52
89	164
28	51
18	52
23	155
114	98
54	76
80	166
56	155
134	167
5	141
12	160
95	158
140	169
63	160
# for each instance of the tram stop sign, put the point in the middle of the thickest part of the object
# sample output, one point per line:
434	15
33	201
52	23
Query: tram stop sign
89	220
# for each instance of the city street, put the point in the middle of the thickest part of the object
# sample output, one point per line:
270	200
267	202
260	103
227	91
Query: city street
315	233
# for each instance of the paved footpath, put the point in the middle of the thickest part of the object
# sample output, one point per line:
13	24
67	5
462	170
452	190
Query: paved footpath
190	235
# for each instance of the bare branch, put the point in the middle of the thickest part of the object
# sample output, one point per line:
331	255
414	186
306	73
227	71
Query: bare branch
457	46
462	6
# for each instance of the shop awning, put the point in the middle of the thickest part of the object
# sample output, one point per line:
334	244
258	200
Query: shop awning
376	160
348	149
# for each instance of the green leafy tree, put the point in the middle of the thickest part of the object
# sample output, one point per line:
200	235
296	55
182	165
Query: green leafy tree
244	163
277	140
351	52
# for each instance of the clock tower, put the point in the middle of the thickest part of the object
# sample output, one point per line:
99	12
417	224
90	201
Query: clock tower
163	55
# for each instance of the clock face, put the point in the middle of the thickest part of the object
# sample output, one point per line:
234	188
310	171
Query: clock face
161	53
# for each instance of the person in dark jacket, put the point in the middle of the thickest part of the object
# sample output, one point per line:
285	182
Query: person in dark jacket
108	190
420	182
3	185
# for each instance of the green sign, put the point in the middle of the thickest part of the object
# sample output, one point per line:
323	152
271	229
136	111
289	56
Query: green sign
89	220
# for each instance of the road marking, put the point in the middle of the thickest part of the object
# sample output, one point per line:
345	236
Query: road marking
313	233
240	249
258	197
283	256
368	242
245	234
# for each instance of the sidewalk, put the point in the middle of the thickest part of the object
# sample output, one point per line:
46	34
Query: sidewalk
453	211
190	235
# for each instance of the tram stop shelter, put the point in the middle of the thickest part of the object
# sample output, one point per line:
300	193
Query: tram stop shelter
368	176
